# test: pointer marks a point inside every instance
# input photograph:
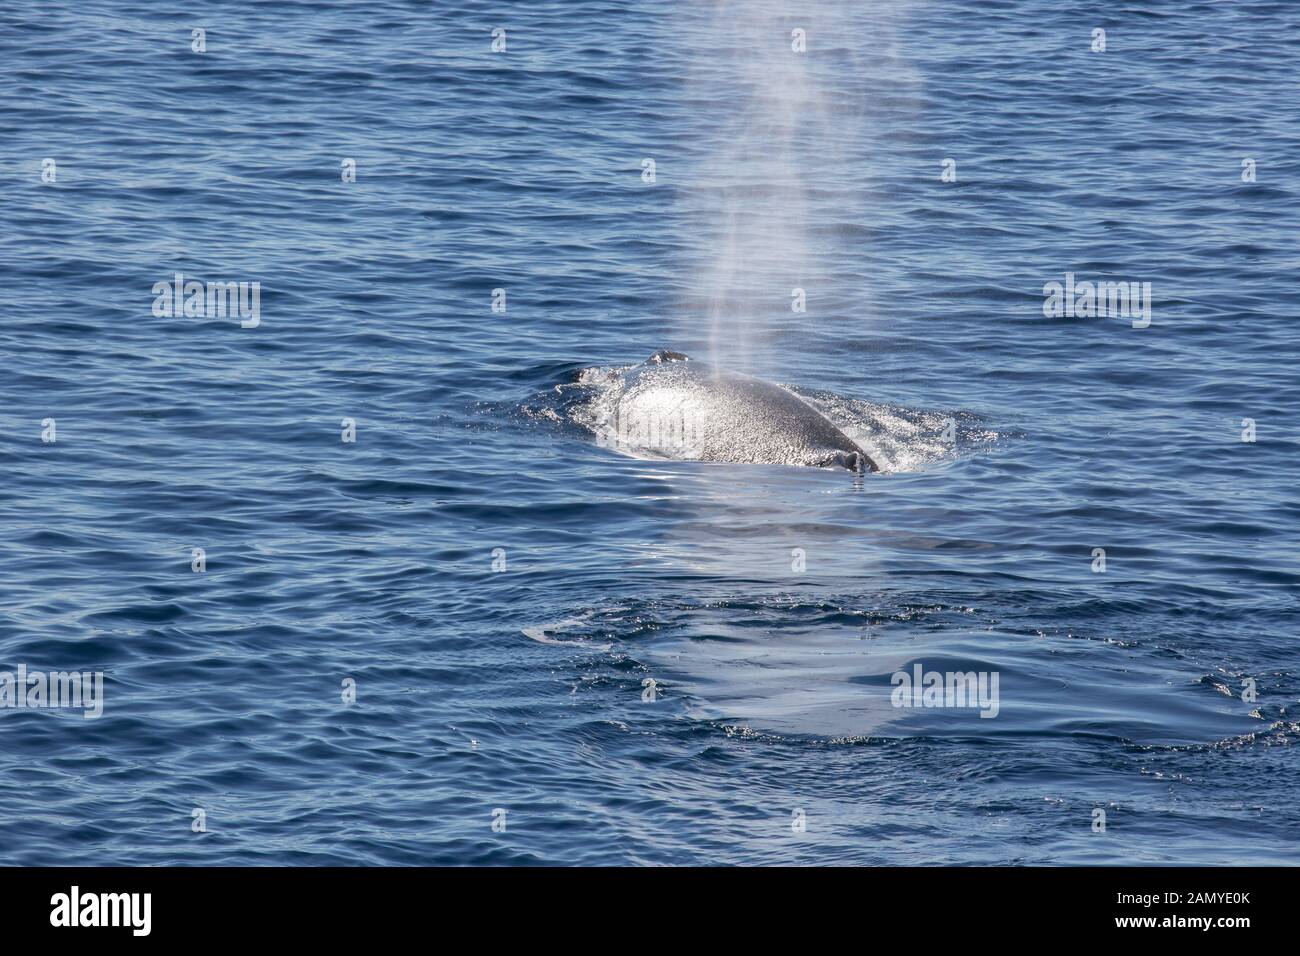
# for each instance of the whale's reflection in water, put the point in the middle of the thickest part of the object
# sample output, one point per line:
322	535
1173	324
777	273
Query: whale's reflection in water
852	672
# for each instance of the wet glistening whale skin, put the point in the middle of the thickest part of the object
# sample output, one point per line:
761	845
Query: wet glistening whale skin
672	407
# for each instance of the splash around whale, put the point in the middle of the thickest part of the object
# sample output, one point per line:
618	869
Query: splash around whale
672	407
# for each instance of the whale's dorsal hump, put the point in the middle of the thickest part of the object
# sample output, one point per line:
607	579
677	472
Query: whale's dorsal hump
663	355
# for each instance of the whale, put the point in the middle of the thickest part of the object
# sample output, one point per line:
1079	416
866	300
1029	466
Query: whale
672	407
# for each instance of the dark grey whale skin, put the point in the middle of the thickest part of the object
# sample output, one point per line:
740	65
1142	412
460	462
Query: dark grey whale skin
733	417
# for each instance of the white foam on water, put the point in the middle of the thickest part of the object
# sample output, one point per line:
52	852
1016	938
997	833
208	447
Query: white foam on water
538	633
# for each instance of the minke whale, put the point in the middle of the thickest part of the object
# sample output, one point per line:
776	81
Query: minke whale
671	407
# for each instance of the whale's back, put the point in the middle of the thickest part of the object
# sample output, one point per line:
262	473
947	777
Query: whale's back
683	409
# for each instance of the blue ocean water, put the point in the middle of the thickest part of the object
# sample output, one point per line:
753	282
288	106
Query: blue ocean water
637	660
